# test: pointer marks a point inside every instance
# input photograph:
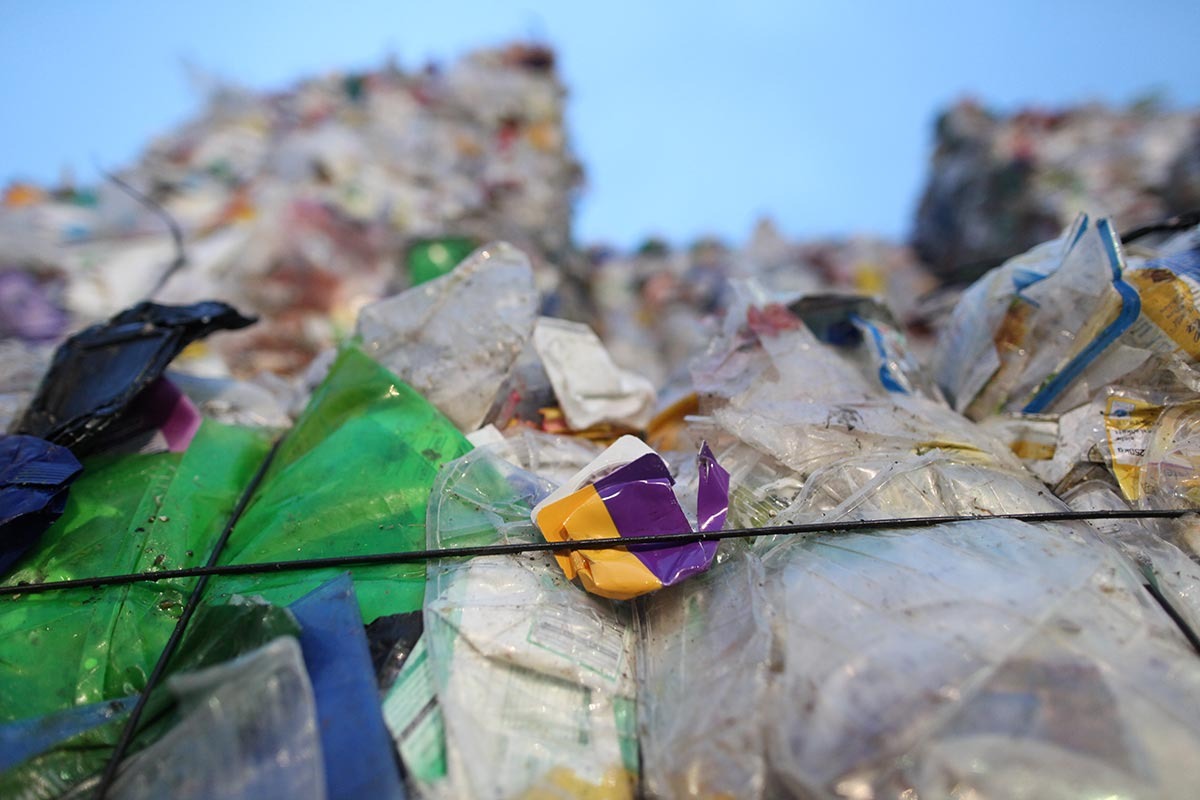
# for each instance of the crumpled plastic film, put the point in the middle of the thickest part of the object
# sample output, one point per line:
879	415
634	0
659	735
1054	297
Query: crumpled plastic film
98	372
351	477
125	514
994	657
534	676
934	484
627	492
775	387
704	651
1027	333
249	730
453	339
590	388
35	477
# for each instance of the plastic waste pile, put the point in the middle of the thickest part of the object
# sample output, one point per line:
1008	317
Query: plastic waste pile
744	537
655	308
1001	183
303	205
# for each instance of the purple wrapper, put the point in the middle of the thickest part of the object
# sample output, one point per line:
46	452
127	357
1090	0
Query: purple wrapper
640	502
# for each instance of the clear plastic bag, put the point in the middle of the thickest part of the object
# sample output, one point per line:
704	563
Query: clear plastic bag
249	730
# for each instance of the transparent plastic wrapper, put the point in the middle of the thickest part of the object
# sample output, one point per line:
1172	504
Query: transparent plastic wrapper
704	653
534	677
249	730
1151	443
770	383
552	458
938	483
864	332
455	338
993	657
1035	334
1169	474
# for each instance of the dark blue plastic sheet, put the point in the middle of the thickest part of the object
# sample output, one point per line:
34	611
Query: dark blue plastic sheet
34	476
359	759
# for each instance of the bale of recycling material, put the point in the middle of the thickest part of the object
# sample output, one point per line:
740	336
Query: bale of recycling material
999	184
303	205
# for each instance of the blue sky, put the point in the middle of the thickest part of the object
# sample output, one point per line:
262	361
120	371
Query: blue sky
690	118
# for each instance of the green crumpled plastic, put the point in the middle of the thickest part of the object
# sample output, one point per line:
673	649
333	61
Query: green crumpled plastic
127	514
351	477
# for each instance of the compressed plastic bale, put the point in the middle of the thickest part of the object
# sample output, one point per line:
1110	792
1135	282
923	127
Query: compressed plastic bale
455	338
704	651
1165	551
893	659
249	730
701	729
533	676
995	657
999	183
350	478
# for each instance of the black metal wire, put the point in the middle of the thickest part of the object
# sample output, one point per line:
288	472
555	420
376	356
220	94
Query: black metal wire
1179	222
180	260
1169	609
189	610
665	539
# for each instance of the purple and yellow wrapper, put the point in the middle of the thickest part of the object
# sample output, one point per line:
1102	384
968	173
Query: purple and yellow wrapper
636	500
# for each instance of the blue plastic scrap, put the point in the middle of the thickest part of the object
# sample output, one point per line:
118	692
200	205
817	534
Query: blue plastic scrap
34	480
358	752
28	738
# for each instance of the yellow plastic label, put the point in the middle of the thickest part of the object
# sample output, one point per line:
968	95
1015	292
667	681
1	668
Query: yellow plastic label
1168	302
1129	424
